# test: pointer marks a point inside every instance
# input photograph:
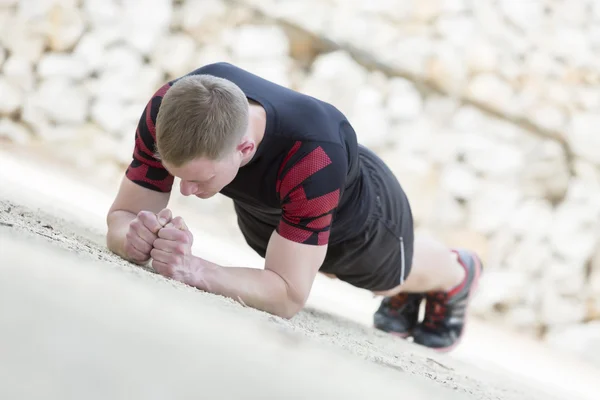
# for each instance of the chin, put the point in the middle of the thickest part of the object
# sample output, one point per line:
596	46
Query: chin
205	195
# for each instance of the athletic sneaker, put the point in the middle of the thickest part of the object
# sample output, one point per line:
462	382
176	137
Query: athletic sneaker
446	312
398	314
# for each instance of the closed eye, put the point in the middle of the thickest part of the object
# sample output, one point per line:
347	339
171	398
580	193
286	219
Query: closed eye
200	182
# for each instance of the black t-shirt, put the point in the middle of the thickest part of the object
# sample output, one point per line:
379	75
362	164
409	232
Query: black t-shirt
305	179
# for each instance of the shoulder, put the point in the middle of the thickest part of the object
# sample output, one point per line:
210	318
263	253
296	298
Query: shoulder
313	165
147	124
310	184
307	118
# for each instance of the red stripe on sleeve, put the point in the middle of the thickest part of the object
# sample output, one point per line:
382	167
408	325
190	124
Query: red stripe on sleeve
320	223
140	174
163	89
292	233
159	93
141	146
289	155
299	206
149	122
293	219
312	163
323	238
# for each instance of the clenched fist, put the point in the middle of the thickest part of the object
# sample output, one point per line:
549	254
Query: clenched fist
143	231
172	254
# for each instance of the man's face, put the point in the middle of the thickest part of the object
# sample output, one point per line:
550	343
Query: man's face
203	177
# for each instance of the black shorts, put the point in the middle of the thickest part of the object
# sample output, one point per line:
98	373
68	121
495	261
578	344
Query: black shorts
380	258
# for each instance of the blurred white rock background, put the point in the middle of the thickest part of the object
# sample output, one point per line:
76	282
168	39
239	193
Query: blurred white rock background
488	112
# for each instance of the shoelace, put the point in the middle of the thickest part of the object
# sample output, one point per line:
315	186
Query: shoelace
435	309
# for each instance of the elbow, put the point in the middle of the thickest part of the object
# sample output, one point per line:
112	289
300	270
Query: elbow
287	299
292	306
111	237
289	312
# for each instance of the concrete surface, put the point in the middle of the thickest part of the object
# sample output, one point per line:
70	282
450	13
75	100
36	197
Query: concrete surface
489	363
71	328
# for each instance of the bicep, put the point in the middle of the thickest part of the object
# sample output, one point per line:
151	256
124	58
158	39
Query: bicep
296	263
134	198
311	182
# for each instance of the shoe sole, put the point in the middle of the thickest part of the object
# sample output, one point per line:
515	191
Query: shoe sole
400	335
403	335
474	286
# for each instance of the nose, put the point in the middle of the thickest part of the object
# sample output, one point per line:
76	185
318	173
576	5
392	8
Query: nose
188	188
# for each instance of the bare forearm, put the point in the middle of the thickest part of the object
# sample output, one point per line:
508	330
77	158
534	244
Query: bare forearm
256	288
118	225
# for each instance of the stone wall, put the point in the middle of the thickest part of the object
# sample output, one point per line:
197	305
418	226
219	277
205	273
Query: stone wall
486	110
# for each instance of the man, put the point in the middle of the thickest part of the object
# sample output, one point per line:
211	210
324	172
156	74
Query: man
308	199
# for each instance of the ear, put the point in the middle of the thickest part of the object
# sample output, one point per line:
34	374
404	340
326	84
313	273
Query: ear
246	146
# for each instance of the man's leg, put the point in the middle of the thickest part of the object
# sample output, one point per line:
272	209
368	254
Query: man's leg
432	271
445	279
434	268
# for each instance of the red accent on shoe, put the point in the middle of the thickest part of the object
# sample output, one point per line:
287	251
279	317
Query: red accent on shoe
435	310
478	272
452	292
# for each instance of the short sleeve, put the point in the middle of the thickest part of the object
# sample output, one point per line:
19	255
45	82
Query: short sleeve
310	184
145	169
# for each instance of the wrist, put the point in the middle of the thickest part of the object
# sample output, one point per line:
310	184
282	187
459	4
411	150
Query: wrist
204	272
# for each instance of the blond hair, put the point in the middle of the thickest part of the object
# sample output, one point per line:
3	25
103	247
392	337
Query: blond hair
200	116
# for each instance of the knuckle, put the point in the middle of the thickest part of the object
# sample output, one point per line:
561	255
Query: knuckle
135	224
180	248
146	217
